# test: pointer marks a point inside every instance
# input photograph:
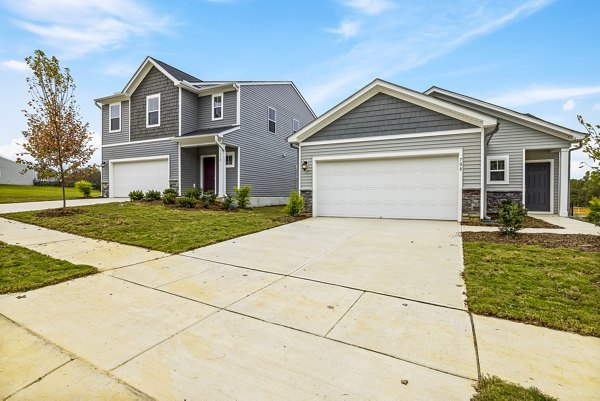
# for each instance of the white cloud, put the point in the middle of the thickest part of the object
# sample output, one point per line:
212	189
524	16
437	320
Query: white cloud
15	65
538	94
569	105
370	7
77	27
11	149
596	107
347	29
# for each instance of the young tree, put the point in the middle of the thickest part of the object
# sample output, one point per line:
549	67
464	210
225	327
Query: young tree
56	139
591	143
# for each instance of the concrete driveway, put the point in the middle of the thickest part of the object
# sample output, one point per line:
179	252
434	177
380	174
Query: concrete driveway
319	309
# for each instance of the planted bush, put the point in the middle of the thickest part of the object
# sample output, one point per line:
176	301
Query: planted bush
136	195
152	195
228	203
85	187
594	216
170	191
208	199
195	193
511	217
295	205
187	202
169	198
242	196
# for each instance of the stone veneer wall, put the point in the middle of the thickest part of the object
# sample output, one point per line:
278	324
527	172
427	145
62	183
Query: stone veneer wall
471	202
494	199
307	195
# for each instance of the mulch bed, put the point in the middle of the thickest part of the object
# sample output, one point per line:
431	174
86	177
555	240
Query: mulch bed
530	222
60	212
583	242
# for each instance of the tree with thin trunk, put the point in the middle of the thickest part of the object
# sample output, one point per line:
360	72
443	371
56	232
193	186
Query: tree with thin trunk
591	144
57	142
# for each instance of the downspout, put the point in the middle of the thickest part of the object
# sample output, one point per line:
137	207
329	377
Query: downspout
579	146
297	147
485	142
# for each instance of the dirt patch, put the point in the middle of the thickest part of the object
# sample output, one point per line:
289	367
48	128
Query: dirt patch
60	212
289	219
530	222
583	242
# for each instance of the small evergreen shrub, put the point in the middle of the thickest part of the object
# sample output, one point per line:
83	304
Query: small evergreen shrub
594	216
511	217
152	195
295	205
136	195
242	196
169	198
228	203
195	193
208	199
170	191
85	187
187	202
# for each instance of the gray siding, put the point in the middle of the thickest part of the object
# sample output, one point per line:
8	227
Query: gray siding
386	115
231	174
134	150
189	111
545	155
120	136
190	169
229	111
268	163
470	144
154	83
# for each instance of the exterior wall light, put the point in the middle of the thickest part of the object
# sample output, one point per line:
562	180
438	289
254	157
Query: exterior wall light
304	165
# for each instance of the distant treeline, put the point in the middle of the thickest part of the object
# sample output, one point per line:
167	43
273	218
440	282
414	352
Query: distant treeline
586	188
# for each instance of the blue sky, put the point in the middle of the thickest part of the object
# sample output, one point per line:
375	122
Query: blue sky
536	56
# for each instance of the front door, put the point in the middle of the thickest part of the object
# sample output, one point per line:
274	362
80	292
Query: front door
208	173
537	187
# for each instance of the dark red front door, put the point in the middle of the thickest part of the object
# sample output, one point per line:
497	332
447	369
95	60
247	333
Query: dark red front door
208	174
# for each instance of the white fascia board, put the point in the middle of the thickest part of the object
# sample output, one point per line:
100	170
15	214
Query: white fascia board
117	97
141	73
541	125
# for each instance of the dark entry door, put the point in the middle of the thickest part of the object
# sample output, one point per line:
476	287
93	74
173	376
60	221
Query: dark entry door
208	174
537	187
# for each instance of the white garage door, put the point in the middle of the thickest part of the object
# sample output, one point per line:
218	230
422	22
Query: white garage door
408	188
138	175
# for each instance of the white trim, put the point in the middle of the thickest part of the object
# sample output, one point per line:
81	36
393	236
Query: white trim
202	157
129	127
238	167
129	160
179	170
238	105
136	142
295	121
391	155
395	136
523	176
141	73
179	119
482	188
299	167
506	159
212	108
563	197
551	161
110	131
269	108
147	99
232	154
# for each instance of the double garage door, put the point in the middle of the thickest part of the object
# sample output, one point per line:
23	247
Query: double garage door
407	188
127	176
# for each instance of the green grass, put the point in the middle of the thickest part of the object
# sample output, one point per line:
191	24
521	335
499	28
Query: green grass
30	193
22	269
494	389
154	226
551	287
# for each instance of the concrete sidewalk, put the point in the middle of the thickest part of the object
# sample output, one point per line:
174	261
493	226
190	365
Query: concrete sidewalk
30	206
571	226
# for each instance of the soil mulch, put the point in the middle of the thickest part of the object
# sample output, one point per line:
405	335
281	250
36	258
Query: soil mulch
60	212
289	219
530	222
583	242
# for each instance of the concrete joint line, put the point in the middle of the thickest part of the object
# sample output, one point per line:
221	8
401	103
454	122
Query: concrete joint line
40	378
475	345
345	313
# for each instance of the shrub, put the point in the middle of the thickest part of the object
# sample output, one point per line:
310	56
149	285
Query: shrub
511	217
85	187
594	216
152	194
228	203
209	198
193	193
295	205
242	195
170	191
169	198
136	195
187	201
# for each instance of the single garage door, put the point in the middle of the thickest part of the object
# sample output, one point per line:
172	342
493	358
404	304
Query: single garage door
407	188
139	175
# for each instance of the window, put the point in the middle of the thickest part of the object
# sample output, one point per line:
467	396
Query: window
272	119
497	170
230	159
295	125
114	117
217	106
152	111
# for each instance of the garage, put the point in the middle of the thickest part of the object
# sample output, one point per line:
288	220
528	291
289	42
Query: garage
130	175
420	187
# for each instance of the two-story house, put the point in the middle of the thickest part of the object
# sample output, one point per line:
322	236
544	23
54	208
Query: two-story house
167	128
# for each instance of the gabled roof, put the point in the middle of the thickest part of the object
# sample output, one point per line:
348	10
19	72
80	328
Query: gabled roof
380	86
525	119
176	73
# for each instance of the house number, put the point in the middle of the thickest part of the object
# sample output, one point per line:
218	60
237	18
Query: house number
460	164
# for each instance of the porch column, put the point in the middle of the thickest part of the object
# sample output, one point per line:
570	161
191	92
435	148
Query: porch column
221	186
565	165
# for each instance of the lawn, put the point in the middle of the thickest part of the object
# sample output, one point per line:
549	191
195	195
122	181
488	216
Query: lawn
494	389
154	226
22	269
555	287
31	193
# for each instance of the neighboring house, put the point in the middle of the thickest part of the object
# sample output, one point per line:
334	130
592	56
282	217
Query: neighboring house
167	128
388	151
10	173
